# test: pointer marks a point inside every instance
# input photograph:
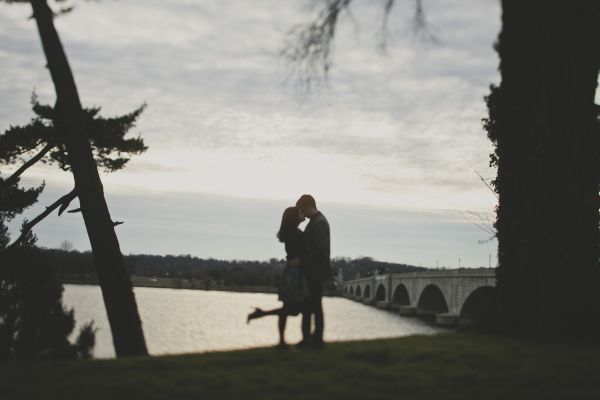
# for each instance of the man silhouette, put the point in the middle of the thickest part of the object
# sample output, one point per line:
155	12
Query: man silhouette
317	268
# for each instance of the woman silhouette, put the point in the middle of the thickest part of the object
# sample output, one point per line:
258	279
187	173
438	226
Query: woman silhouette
293	291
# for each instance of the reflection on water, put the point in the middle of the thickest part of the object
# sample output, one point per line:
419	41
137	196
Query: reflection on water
183	321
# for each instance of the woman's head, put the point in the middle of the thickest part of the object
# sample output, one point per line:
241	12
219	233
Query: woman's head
289	222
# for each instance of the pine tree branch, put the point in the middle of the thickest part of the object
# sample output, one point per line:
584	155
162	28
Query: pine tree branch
11	179
63	202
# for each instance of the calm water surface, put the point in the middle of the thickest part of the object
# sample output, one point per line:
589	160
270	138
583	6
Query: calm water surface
183	321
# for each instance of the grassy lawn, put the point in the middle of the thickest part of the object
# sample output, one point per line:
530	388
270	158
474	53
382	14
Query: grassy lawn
447	366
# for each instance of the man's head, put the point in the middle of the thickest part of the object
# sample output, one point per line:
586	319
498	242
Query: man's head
307	205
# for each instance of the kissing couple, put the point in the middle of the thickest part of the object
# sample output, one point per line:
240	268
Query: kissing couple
307	268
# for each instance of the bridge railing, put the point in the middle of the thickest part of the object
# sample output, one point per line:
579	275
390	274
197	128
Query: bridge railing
448	273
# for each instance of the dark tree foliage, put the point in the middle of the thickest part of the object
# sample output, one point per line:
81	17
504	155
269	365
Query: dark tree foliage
34	324
226	272
364	266
107	138
544	125
72	123
14	199
42	138
4	238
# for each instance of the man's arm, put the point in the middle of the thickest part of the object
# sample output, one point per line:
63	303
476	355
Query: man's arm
321	238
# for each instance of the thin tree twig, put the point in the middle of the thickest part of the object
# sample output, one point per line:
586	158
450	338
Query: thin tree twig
387	9
420	26
484	223
477	173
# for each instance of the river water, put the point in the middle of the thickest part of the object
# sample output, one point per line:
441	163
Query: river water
184	321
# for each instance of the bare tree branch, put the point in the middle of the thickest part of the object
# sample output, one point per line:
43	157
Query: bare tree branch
483	222
15	175
387	9
478	174
65	204
420	27
66	199
309	48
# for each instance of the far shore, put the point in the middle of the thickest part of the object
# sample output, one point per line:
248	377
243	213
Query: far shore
172	283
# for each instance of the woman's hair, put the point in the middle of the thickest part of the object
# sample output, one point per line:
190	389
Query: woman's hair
289	223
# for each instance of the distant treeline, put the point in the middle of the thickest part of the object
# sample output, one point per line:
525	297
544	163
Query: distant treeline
220	272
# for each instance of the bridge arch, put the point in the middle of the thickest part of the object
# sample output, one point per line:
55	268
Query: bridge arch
401	296
345	289
432	301
380	293
479	306
358	291
351	290
367	294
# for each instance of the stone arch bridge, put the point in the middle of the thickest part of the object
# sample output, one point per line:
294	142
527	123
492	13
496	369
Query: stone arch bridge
451	296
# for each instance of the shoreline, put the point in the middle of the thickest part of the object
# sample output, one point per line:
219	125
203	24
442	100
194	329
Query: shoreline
172	283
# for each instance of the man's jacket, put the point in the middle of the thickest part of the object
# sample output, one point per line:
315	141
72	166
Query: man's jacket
316	262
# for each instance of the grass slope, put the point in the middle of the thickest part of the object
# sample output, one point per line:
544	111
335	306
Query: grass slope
447	366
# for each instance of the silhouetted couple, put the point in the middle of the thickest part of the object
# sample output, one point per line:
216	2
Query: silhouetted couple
307	268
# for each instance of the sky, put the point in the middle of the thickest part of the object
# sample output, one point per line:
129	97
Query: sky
389	147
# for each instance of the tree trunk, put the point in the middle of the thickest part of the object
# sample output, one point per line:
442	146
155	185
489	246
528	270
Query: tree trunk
545	126
121	308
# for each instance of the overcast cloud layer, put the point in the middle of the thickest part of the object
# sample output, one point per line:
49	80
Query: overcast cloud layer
386	147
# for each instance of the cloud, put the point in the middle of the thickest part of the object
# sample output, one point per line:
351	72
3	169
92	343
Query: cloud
392	129
146	167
